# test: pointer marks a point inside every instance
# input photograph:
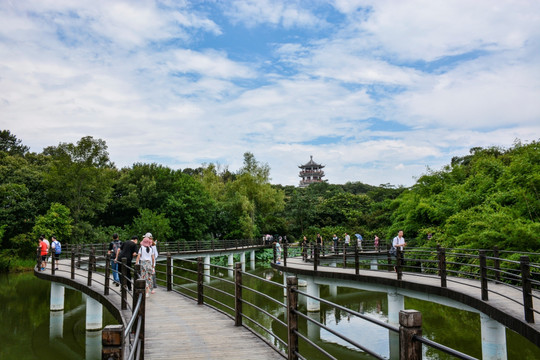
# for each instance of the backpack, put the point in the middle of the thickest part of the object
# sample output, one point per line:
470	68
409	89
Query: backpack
116	245
57	247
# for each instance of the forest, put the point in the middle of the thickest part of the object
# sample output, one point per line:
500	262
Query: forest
74	191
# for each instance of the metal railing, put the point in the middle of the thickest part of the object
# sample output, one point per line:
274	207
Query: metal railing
230	297
448	265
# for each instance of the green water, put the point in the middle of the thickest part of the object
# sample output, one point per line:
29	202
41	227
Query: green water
25	322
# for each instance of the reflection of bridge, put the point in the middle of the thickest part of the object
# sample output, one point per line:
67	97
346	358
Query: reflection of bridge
501	290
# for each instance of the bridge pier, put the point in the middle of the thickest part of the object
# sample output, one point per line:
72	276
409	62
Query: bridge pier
252	260
56	324
207	269
57	296
230	264
93	345
94	314
243	260
493	339
314	330
313	290
374	264
396	303
333	290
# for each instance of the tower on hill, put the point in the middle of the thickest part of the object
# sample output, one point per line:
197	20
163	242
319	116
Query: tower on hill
310	173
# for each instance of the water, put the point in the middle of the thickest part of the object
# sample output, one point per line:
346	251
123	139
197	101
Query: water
25	318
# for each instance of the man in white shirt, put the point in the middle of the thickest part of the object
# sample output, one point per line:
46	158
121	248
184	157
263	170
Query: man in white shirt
399	241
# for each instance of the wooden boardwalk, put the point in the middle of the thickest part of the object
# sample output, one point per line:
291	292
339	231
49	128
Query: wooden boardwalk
176	327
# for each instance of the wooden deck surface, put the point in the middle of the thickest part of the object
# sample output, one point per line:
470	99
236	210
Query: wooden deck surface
178	328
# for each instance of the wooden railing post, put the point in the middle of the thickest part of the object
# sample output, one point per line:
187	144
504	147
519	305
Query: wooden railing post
90	267
238	294
169	272
200	278
137	272
344	255
72	264
527	288
53	264
410	324
292	317
275	253
442	265
483	275
112	339
123	281
497	263
140	289
107	273
93	257
356	259
316	257
285	249
136	278
79	256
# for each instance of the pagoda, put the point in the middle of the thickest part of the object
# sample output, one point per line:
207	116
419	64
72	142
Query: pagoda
311	173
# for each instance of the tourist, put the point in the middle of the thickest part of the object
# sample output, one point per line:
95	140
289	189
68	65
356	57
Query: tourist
398	242
320	244
335	239
114	248
278	252
148	261
376	243
304	248
156	254
43	249
359	240
347	241
128	250
48	247
56	250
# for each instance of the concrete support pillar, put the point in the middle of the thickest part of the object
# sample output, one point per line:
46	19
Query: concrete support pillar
374	264
313	290
207	269
396	303
333	290
94	314
93	345
243	260
333	264
230	264
252	260
56	324
493	339
57	296
313	330
285	284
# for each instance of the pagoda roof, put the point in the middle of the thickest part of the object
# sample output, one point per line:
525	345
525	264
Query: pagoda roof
311	163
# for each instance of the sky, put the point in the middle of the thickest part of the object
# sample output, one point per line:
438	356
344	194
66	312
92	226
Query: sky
378	91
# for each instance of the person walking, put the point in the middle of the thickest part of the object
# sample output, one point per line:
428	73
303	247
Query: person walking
56	250
304	248
347	241
398	242
43	253
335	239
156	254
114	248
376	243
128	250
147	259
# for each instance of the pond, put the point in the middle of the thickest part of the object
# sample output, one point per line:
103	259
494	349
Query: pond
29	330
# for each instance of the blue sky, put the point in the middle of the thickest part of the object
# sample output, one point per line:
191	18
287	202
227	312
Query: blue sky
378	91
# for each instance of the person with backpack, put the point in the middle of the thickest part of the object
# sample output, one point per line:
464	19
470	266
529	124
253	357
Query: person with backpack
147	259
56	250
114	248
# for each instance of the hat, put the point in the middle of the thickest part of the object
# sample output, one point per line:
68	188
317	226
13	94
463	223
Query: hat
148	235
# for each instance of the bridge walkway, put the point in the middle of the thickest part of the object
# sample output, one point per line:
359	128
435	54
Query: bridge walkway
500	304
175	326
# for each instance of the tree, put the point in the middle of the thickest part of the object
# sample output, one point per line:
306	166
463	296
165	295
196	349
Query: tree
150	221
11	145
57	221
81	177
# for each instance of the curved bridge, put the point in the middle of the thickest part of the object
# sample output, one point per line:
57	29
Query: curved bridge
499	288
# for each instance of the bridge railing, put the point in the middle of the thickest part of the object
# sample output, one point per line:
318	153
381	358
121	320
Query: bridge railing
507	268
208	284
118	342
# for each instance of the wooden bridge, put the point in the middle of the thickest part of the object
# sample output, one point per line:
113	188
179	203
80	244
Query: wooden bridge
167	324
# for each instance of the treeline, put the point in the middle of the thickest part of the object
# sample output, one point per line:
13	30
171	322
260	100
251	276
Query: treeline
75	192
